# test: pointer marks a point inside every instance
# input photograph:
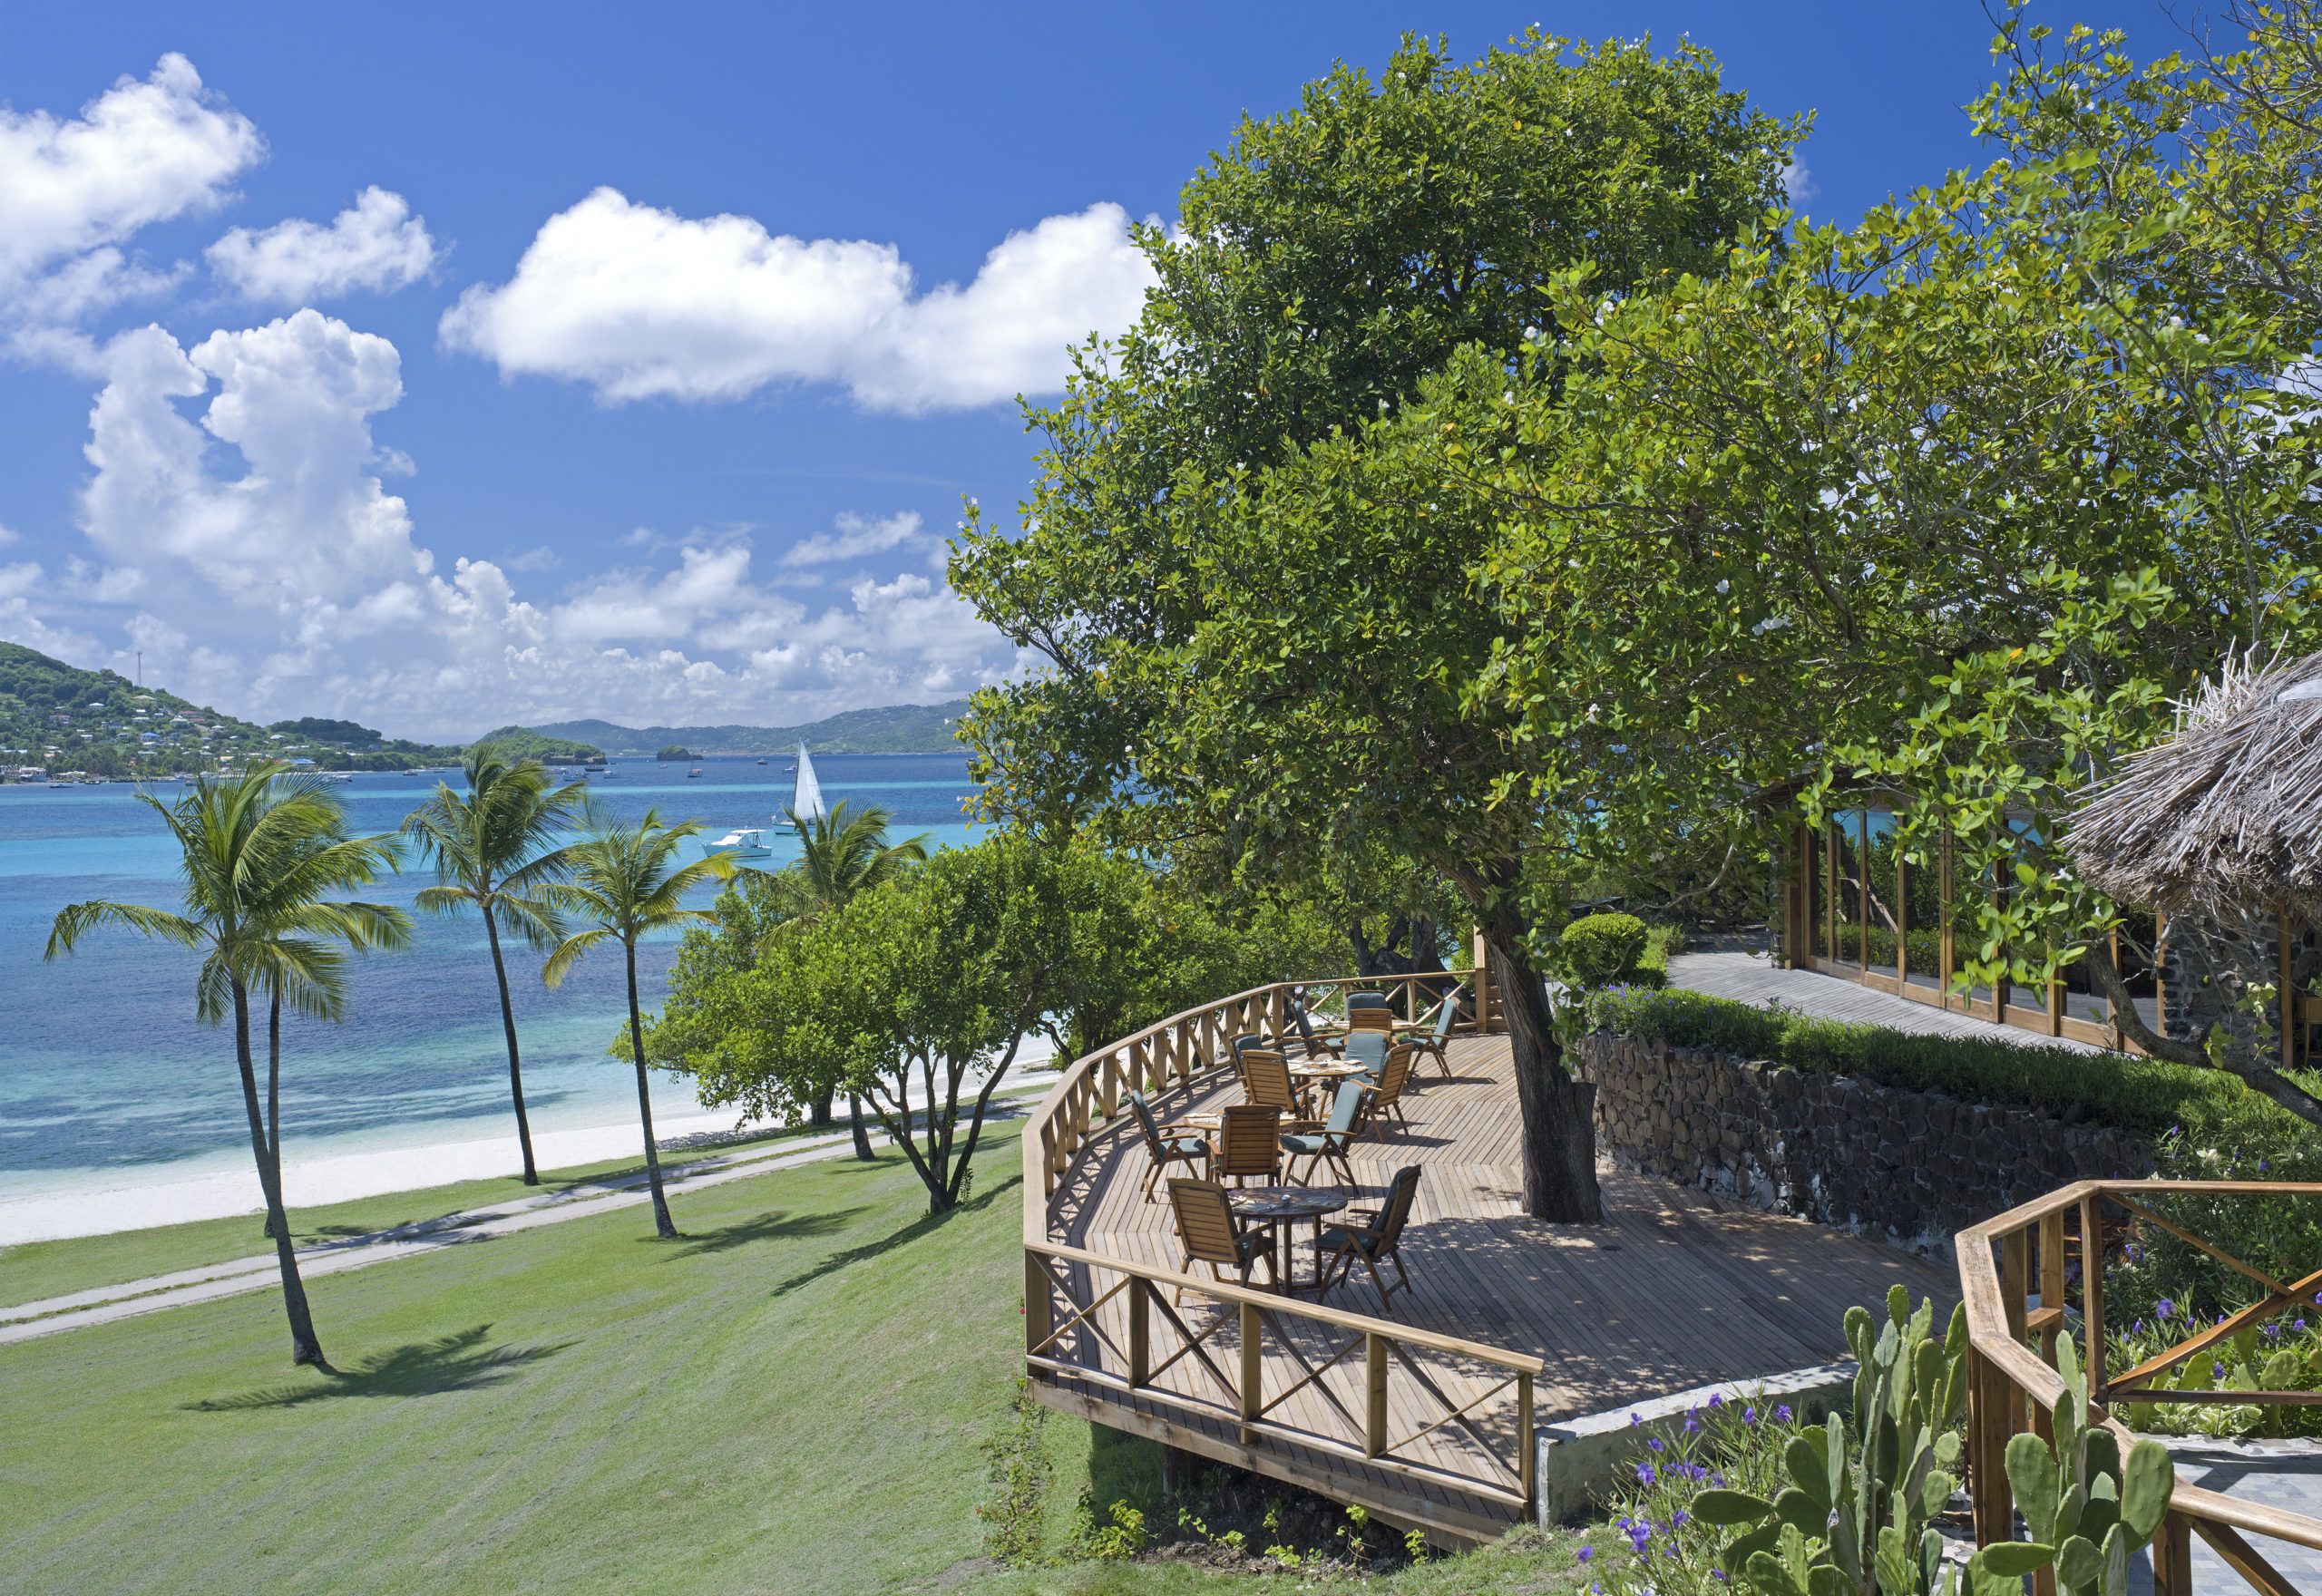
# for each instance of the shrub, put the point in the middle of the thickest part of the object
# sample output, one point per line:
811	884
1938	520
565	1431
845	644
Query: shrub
2143	1094
1599	949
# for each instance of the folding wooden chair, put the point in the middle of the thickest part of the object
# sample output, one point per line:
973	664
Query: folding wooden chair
1434	1043
1367	1011
1316	1046
1166	1149
1329	1142
1210	1233
1249	1143
1378	1240
1386	1099
1369	1049
1265	1081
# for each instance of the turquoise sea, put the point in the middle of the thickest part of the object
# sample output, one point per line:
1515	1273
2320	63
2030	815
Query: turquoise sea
105	1076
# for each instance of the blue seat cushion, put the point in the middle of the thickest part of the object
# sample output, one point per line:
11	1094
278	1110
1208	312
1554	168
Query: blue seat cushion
1305	1143
1338	1236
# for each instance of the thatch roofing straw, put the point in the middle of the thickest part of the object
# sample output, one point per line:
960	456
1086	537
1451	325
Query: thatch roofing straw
2226	817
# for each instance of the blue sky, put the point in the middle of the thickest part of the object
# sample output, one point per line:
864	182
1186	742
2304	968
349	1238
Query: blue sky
447	366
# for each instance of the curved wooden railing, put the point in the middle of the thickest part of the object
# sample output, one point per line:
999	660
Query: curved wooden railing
2013	1389
1260	1378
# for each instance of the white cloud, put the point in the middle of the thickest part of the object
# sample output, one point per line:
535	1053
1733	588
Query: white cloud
641	303
74	191
291	583
1797	184
853	539
376	244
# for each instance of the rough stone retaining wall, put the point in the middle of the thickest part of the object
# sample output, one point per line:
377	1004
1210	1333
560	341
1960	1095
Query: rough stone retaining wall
1910	1167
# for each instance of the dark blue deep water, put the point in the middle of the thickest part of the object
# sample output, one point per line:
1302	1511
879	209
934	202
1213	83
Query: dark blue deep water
104	1070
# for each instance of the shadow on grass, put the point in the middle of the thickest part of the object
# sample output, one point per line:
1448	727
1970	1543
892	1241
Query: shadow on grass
771	1226
457	1362
904	1236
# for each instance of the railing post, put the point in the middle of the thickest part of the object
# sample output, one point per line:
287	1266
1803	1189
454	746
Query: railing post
1038	1321
1140	1330
1989	1407
1375	1353
2172	1556
2092	1296
1530	1463
2015	1284
1252	1392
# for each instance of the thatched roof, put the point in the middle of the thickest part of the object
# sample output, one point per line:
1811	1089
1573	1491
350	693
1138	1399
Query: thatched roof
2226	817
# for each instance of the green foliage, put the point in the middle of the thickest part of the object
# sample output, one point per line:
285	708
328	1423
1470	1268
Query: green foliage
901	728
1667	1505
2147	1095
674	750
1022	1473
514	742
1600	951
320	730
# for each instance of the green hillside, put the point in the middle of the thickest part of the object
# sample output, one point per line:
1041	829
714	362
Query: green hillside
905	728
524	742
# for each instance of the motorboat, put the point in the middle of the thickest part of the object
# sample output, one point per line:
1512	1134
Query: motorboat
761	762
748	845
693	773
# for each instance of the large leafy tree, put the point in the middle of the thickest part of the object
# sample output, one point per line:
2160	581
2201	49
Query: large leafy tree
1281	666
258	852
623	881
494	849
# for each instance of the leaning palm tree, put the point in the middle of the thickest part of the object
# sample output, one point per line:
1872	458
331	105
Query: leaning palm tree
494	852
620	879
260	849
841	857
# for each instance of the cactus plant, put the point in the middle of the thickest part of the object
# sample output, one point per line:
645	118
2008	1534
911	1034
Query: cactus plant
1857	1518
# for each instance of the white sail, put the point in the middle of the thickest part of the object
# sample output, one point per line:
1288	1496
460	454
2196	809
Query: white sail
806	798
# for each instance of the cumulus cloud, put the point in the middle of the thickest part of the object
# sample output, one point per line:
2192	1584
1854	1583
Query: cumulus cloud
376	244
1798	183
292	582
74	191
641	303
855	537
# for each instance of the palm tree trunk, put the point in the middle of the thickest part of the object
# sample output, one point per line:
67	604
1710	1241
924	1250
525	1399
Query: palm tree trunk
515	1071
661	1221
306	1347
862	1134
274	1096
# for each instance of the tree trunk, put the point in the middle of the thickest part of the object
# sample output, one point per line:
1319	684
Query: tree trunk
306	1347
662	1224
1559	1132
820	1114
861	1132
274	1095
515	1070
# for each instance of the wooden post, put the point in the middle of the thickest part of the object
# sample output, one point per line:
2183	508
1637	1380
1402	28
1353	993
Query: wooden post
1526	1450
2055	1009
1989	1404
2120	1036
1944	897
1801	941
1140	1330
1902	912
1862	887
2284	998
1830	889
2004	980
1252	1391
1375	1353
1040	1321
2015	1284
2092	1297
2173	1557
2160	988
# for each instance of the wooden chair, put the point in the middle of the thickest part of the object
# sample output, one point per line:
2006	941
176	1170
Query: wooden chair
1367	1011
1369	1049
1386	1099
1166	1150
1316	1046
1435	1044
1249	1143
1210	1233
1265	1081
1329	1142
1236	1048
1377	1241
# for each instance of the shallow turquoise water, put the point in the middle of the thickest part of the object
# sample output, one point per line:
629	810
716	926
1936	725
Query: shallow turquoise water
105	1072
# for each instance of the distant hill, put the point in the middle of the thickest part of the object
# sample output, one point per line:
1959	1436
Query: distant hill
524	742
905	728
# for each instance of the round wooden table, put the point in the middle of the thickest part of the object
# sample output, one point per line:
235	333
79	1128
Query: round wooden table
1281	1206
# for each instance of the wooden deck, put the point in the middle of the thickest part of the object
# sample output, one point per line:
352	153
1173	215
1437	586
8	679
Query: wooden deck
1674	1290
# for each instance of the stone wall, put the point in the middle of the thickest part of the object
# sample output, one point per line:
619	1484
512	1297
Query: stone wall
1910	1167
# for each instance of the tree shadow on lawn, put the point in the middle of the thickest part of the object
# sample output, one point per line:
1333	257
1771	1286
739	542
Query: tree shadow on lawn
457	1362
909	1233
773	1225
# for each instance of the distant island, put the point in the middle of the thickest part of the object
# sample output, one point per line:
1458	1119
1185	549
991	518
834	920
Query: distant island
905	728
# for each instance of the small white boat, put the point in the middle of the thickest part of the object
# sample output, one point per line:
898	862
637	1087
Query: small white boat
806	795
749	845
693	773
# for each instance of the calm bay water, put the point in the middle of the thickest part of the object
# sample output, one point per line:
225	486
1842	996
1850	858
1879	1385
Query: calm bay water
104	1073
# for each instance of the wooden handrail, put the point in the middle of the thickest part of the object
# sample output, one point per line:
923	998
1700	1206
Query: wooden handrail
2012	1387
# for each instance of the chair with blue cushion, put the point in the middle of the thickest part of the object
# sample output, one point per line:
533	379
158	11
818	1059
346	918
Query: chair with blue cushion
1369	1049
1331	1141
1434	1043
1166	1147
1375	1241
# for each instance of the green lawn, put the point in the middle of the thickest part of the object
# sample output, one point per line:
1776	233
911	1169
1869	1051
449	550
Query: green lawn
34	1270
794	1398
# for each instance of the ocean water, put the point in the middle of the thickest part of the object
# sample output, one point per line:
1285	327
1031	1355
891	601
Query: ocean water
107	1079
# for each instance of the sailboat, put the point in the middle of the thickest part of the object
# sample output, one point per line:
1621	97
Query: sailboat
807	797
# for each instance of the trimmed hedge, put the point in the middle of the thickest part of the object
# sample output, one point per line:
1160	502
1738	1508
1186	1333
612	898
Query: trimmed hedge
2143	1094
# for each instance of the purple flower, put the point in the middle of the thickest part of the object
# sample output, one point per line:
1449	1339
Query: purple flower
1644	1474
2217	1370
1718	1480
2137	1329
1654	1442
1717	1399
1781	1414
1586	1553
1692	1424
2166	1309
2298	1324
2273	1332
1634	1420
1678	1520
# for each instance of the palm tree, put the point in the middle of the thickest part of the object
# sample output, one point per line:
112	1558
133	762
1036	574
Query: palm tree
493	850
621	879
260	848
842	856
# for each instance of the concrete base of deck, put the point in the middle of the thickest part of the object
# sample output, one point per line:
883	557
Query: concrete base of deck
1675	1290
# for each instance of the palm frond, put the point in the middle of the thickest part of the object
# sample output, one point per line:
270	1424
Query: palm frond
569	952
76	920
